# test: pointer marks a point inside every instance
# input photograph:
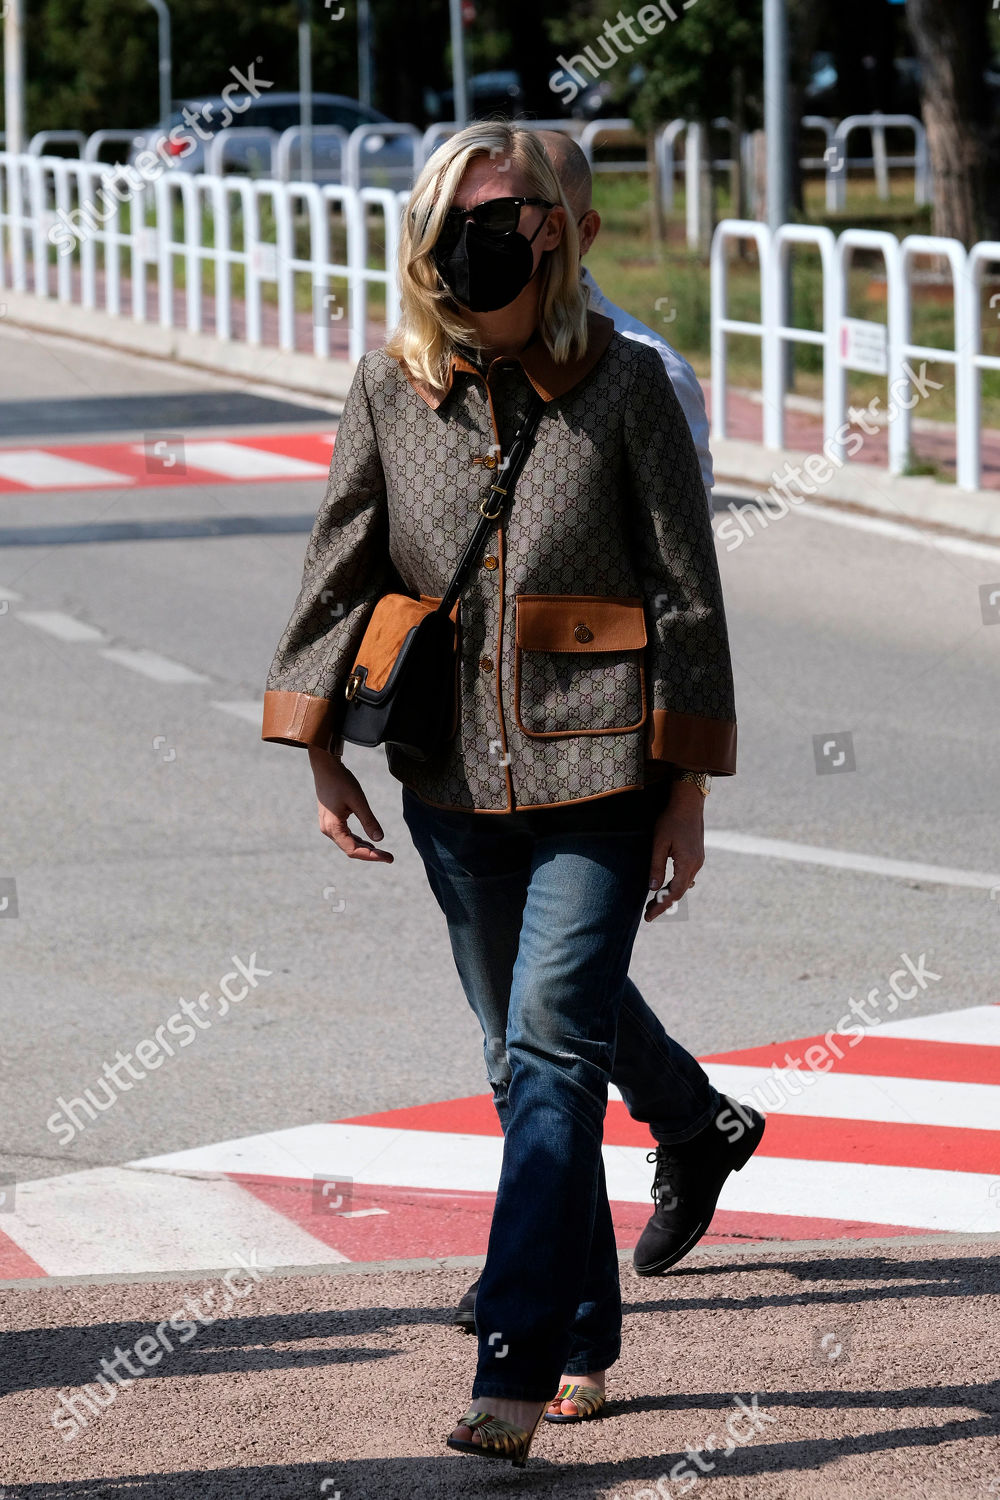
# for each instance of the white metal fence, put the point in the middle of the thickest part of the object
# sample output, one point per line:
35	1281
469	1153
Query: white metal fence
148	253
887	349
66	232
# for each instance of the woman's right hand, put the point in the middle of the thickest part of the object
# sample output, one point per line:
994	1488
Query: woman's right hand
339	794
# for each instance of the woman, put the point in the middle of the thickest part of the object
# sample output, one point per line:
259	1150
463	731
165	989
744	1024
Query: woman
595	696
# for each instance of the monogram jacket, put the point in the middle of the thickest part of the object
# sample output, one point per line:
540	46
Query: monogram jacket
593	646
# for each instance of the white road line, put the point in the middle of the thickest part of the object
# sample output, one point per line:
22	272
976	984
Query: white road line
111	1219
898	531
10	594
234	461
248	709
980	1024
918	1197
63	627
47	471
373	1155
159	668
860	1096
841	859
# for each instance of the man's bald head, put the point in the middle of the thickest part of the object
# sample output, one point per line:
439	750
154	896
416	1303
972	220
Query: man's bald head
572	169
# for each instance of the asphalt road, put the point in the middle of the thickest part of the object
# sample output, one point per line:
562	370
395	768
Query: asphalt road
152	836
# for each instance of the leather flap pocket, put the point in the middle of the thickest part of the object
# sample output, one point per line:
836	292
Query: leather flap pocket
579	622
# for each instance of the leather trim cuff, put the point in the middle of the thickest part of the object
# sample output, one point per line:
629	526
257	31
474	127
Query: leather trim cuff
299	719
692	742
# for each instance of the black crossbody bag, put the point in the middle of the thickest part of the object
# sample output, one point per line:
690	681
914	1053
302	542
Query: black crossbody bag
404	686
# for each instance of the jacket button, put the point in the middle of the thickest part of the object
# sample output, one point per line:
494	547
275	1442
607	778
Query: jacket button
582	633
490	562
486	662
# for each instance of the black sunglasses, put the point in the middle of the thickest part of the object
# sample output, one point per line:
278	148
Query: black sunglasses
499	216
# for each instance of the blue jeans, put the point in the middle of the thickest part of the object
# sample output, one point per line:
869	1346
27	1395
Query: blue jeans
541	929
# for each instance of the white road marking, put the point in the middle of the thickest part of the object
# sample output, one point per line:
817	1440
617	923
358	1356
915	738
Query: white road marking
112	1219
980	1025
900	532
361	1213
10	594
150	664
375	1155
63	627
917	1197
860	1096
248	709
234	461
50	471
841	859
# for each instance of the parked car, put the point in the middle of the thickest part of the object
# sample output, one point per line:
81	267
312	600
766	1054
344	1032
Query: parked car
261	118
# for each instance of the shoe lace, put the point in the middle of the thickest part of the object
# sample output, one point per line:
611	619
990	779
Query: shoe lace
664	1191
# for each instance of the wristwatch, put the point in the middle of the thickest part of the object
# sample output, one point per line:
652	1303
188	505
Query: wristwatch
701	779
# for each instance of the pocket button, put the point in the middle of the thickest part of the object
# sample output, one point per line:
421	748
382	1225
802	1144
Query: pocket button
583	633
486	663
490	562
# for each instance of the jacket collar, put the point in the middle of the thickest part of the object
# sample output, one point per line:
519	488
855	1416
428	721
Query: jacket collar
549	379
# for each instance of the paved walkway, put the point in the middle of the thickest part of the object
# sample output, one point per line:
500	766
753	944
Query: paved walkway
861	1370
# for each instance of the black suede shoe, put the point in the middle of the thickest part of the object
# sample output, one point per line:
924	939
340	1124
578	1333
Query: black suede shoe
465	1312
687	1184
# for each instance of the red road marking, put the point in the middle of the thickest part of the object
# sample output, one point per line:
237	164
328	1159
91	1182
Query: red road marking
880	1056
422	1223
15	1263
129	459
871	1142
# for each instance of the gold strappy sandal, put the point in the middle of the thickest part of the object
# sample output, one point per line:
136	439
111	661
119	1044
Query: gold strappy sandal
588	1400
500	1439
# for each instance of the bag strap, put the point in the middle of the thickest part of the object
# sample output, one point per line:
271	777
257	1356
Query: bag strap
498	498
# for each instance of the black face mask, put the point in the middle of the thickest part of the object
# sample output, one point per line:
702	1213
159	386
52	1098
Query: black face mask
484	271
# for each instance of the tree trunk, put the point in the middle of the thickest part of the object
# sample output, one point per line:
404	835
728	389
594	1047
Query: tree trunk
951	40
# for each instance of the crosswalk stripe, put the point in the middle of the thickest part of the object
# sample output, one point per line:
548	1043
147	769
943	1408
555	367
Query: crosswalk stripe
112	1219
908	1142
374	1155
979	1024
63	627
237	461
861	1097
38	469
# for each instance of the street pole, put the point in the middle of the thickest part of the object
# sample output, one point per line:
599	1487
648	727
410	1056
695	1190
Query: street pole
305	89
13	76
14	118
778	146
365	89
164	65
776	123
458	64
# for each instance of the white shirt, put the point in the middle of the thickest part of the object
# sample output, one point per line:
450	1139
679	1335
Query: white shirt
682	377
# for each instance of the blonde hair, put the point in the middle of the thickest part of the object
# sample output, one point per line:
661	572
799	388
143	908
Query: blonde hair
431	324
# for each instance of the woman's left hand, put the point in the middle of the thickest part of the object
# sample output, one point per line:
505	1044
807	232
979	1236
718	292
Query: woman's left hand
679	835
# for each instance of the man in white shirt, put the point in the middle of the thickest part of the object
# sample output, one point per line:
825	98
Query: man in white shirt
574	173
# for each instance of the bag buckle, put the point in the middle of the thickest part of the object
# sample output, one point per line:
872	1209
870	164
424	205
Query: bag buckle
491	515
355	680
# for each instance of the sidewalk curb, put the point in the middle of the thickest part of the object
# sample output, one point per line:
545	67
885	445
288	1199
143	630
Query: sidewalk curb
868	488
742	1249
256	363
